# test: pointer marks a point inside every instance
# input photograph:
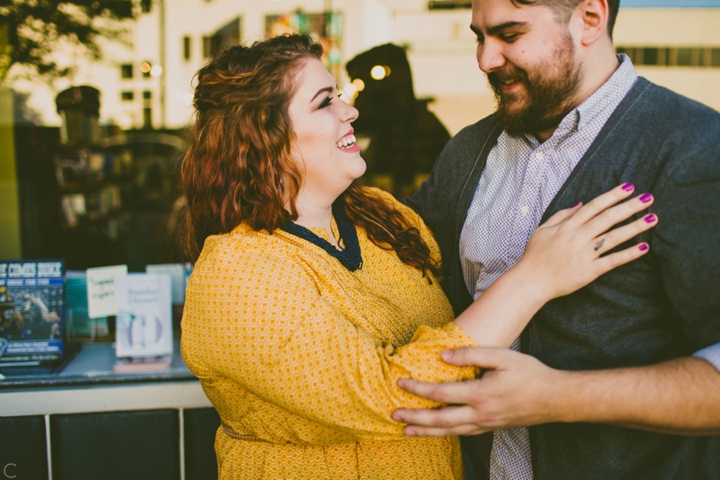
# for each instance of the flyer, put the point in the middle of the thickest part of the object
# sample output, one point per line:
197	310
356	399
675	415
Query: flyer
31	313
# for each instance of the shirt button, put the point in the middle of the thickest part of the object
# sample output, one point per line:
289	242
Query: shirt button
524	209
582	125
539	155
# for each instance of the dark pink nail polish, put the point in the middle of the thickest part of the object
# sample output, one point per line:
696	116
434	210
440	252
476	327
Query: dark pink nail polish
628	186
578	203
650	218
646	198
643	247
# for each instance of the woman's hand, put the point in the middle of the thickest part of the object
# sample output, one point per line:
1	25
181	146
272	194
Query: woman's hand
566	252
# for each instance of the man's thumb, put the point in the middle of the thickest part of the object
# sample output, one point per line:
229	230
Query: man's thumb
483	357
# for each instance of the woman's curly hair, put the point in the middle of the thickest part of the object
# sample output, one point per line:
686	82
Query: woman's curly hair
238	168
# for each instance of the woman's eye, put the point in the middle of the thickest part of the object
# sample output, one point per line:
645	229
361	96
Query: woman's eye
326	102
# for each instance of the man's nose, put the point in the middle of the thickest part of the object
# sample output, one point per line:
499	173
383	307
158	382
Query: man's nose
490	56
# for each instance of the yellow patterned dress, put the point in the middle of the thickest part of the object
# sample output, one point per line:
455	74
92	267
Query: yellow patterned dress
300	357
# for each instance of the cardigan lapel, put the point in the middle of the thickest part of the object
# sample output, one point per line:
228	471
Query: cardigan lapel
613	122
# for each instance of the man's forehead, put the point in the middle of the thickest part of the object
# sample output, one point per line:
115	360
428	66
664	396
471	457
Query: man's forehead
492	13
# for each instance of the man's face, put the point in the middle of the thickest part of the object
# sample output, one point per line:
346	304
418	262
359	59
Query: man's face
529	58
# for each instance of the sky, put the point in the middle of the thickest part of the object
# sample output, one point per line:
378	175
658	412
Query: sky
669	3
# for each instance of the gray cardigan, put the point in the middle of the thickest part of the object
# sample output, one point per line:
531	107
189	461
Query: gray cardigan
662	306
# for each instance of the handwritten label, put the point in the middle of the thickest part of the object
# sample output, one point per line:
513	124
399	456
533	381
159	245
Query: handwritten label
101	288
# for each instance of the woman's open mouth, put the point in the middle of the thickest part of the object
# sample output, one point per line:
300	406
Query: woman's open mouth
348	143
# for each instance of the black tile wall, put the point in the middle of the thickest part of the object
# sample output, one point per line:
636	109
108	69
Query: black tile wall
22	448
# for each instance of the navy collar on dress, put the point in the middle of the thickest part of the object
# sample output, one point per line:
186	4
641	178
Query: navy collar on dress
350	257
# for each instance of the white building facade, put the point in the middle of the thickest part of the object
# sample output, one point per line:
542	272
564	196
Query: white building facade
149	83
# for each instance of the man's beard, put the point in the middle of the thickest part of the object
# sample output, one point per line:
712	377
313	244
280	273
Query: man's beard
548	97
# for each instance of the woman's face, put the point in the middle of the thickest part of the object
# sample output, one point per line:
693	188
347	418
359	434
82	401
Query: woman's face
324	146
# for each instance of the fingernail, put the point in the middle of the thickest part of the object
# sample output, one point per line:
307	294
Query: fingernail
396	416
409	432
646	198
650	218
628	186
446	354
643	247
578	203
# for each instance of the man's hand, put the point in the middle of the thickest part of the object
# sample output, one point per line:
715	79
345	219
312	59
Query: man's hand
516	390
677	397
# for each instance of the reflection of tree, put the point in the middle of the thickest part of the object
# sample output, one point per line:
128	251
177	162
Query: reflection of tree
32	29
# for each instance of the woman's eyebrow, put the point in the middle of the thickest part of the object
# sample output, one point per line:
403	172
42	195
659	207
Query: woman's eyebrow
326	89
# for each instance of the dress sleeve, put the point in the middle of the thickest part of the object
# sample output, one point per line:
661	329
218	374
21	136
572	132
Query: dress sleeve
277	337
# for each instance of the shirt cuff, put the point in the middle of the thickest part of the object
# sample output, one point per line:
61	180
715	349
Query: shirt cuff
711	354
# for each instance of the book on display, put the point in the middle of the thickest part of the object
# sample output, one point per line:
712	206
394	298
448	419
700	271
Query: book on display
31	315
144	319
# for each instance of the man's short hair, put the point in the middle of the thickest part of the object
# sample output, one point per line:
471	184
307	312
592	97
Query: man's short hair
564	7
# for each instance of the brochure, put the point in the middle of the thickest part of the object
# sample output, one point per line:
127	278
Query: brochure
31	314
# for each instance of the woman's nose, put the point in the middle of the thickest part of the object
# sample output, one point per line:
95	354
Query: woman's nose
349	113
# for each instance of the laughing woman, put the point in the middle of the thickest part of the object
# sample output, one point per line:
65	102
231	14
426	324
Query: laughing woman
312	296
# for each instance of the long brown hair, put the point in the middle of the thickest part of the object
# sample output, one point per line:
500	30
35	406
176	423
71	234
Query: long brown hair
239	168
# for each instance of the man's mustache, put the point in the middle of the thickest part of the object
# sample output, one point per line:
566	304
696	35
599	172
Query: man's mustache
509	72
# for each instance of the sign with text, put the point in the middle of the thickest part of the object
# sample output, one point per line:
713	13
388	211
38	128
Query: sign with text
102	297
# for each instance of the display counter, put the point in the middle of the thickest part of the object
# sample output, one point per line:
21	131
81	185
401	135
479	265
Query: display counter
93	365
88	422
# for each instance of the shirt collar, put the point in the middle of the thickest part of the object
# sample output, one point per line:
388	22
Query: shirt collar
611	93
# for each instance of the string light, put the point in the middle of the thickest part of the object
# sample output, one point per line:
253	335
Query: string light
378	72
359	84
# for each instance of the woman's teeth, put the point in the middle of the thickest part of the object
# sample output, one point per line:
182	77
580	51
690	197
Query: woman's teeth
346	142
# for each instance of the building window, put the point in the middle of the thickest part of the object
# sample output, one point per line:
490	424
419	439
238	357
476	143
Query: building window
127	96
147	95
147	117
146	6
126	70
207	47
684	57
650	56
673	56
145	68
715	57
225	37
187	52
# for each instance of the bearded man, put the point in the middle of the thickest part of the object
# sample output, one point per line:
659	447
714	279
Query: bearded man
619	380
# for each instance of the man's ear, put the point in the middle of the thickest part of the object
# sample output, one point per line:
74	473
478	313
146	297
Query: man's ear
594	16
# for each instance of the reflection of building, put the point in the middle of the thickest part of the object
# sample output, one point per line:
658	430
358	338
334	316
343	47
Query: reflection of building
440	46
678	48
441	50
149	84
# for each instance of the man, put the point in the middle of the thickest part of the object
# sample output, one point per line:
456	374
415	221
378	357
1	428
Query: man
620	379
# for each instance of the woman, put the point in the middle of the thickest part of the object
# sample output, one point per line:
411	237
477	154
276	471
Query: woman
312	296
